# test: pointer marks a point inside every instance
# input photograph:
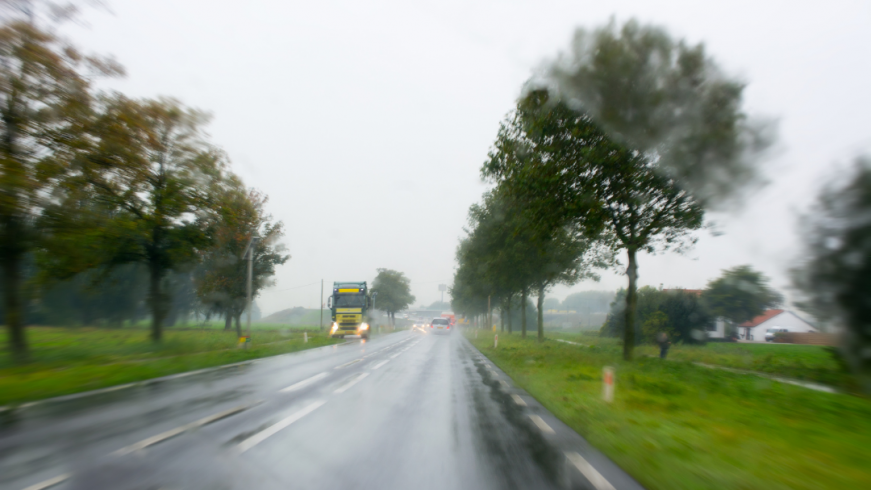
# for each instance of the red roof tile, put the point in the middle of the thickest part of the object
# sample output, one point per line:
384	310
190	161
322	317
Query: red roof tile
768	315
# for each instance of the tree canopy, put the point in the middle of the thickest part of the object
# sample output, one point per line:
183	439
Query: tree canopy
740	294
392	291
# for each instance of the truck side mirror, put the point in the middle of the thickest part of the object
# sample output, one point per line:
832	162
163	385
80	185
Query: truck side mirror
330	302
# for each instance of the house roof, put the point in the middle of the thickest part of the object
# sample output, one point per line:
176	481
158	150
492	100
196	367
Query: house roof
768	315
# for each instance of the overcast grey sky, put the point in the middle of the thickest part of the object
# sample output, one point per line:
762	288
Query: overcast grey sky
366	122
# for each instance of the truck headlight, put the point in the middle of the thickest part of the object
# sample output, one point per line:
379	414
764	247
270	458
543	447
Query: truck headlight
364	326
335	327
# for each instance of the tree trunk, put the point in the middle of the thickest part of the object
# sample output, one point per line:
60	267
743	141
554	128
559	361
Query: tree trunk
239	325
228	321
12	303
523	314
502	317
631	302
541	314
510	300
155	298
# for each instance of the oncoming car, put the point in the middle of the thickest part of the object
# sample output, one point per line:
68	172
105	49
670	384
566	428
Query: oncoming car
440	325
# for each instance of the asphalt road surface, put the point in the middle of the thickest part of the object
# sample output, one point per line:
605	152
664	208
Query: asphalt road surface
402	411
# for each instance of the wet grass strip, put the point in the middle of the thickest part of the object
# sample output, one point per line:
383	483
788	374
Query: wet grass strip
676	425
72	360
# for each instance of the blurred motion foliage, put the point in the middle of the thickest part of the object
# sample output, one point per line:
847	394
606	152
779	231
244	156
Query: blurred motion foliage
105	199
836	276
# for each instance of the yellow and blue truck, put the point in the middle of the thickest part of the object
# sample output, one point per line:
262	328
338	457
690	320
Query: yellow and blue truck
349	304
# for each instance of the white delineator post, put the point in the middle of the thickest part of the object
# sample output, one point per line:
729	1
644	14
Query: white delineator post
496	341
305	337
608	384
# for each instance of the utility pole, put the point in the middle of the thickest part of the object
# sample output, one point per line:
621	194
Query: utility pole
322	305
250	252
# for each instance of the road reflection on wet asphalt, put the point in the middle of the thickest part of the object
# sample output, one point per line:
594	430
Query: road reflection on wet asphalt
401	411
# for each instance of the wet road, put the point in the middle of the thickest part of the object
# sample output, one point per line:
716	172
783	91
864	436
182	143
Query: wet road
401	411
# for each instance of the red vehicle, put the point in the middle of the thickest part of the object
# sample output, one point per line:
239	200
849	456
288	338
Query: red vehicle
450	317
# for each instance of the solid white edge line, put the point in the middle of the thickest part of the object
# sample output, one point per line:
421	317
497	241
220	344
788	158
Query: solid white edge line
278	426
351	383
303	383
380	364
541	424
590	473
518	400
179	430
49	483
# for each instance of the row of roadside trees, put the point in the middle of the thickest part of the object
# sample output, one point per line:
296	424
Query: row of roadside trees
92	182
619	147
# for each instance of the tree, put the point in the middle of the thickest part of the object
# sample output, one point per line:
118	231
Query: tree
44	99
571	170
740	294
223	275
393	292
152	168
682	315
835	278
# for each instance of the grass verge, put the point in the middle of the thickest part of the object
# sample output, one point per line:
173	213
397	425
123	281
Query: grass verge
676	425
72	360
804	362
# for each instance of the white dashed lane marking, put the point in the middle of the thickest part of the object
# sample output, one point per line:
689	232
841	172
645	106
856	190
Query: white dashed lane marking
590	473
541	424
380	364
275	428
303	383
518	400
356	379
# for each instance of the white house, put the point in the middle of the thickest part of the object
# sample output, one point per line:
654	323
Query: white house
755	329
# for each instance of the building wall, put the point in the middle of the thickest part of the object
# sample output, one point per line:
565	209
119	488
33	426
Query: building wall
785	319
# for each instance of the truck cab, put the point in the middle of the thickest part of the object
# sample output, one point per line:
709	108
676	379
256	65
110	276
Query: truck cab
349	304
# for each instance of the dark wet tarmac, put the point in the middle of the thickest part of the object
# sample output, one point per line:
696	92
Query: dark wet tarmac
403	411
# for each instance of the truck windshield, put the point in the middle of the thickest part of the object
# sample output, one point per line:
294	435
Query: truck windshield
350	300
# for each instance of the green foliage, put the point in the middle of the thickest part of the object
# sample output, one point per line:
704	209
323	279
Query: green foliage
677	313
836	276
393	292
740	294
670	101
221	279
44	105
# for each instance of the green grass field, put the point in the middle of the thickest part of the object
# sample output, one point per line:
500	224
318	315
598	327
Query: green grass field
675	425
71	360
805	362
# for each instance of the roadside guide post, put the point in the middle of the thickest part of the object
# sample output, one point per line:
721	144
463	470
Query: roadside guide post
608	384
496	341
322	306
305	337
